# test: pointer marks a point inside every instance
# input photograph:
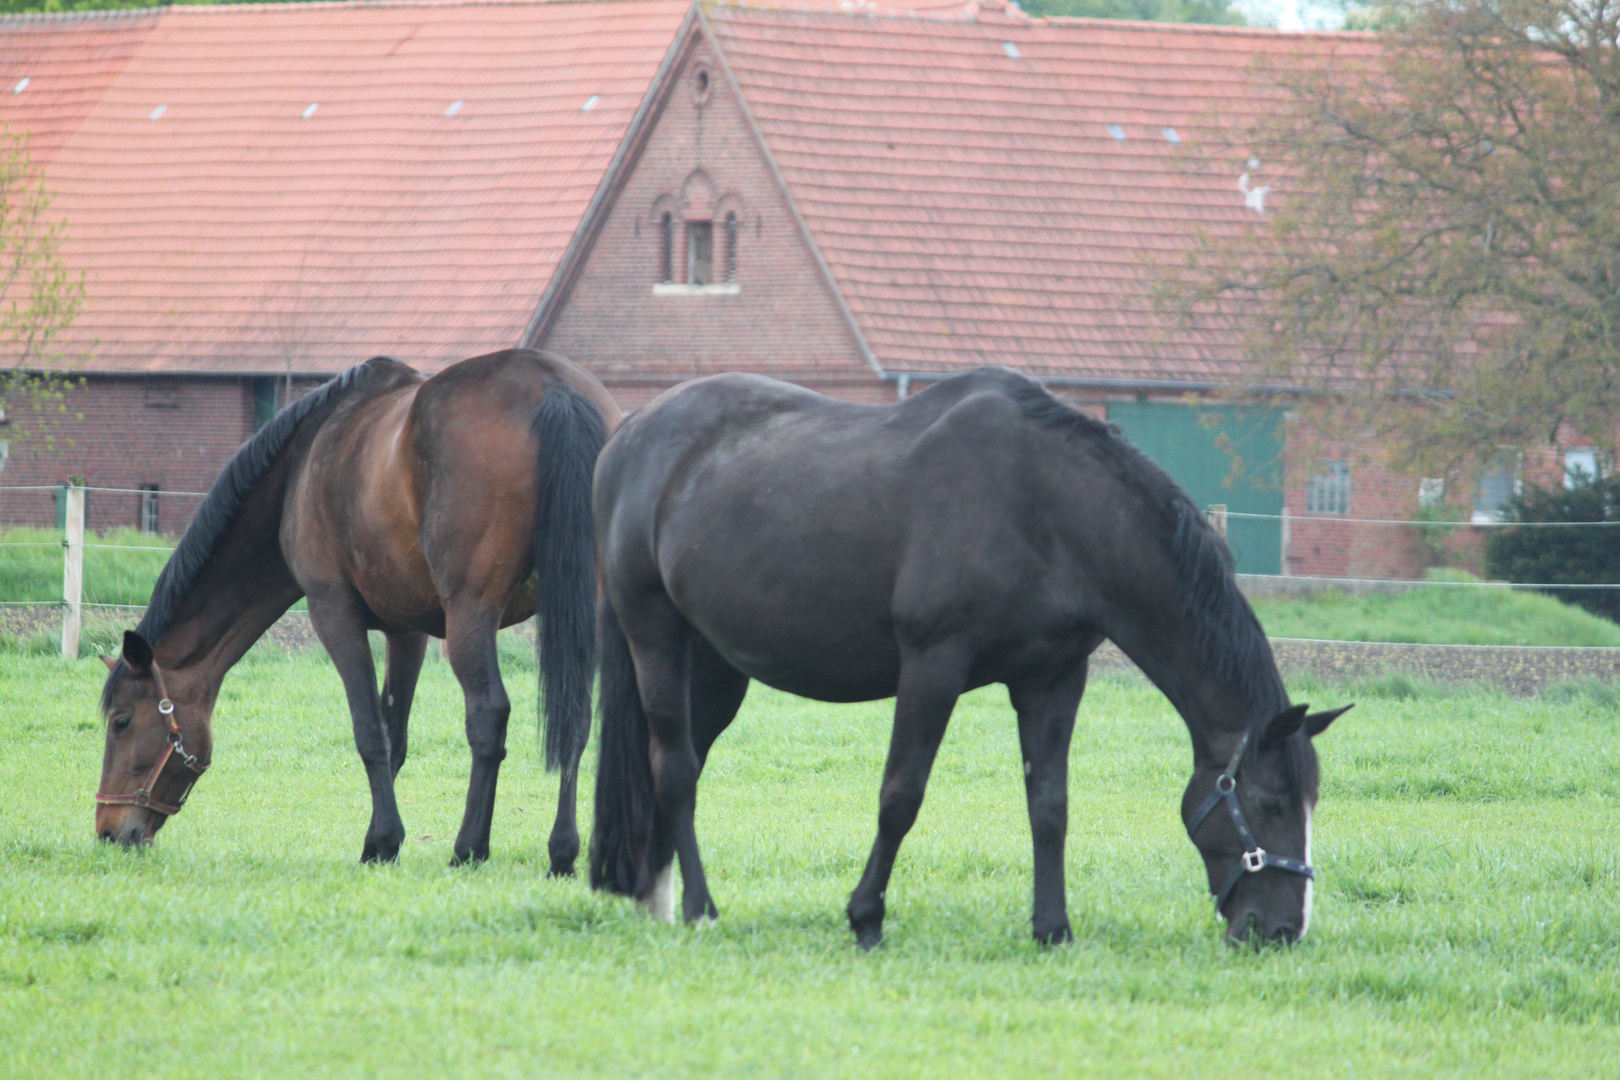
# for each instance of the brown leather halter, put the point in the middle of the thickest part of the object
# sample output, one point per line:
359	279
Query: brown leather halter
174	749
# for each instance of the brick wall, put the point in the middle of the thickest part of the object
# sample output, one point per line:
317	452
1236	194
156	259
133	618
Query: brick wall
700	163
176	432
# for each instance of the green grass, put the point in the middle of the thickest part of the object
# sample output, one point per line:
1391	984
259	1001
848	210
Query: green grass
1439	615
31	565
1468	846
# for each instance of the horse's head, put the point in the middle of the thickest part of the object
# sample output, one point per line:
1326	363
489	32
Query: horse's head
1249	813
159	740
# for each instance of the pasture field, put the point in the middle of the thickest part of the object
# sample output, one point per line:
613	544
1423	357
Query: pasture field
1467	922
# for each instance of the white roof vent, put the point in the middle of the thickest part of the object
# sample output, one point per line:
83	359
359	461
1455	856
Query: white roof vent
1117	132
590	103
309	112
157	113
22	85
455	107
1011	50
1170	135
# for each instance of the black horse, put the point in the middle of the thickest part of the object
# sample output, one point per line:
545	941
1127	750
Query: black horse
979	532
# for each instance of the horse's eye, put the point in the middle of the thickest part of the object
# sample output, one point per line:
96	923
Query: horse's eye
1271	807
121	723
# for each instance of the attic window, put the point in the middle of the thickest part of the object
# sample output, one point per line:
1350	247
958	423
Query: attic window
702	84
731	245
700	252
1117	132
666	248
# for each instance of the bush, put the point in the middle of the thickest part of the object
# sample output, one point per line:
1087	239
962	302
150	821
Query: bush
1563	556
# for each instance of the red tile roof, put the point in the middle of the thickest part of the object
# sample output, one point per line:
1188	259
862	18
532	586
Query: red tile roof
54	69
280	188
996	190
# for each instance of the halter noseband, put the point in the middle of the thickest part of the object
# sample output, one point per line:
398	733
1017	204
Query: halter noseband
175	748
1254	858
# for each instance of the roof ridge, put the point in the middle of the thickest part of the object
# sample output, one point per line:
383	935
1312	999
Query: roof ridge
91	15
335	5
868	10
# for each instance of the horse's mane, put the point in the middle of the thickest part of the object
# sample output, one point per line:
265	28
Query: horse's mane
219	509
1229	635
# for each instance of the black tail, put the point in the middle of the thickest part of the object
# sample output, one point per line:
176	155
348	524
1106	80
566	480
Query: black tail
571	433
622	836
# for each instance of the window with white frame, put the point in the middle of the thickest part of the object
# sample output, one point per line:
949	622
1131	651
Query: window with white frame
1580	467
1328	491
1498	483
148	522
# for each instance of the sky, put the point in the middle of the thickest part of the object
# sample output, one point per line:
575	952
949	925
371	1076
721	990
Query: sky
1292	14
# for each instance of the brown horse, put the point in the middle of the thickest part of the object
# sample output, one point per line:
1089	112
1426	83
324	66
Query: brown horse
448	506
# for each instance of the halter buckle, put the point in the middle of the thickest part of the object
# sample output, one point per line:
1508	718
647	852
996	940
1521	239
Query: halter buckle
165	706
1254	861
1226	783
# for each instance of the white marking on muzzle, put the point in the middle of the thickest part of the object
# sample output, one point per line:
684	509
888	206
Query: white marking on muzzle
1310	884
660	903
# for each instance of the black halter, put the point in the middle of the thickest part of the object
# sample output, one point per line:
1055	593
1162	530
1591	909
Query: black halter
1254	858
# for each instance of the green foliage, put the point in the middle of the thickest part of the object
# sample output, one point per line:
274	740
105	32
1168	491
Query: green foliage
1440	935
1180	11
1558	556
1438	615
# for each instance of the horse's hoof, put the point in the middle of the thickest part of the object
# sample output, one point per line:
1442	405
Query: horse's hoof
376	851
467	856
869	939
1060	935
561	869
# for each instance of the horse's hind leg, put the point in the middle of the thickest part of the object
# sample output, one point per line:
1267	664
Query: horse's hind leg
563	845
930	683
470	641
405	653
1046	709
339	624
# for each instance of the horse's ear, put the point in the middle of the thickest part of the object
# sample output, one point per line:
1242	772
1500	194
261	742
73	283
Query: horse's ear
1316	723
1286	723
137	652
110	661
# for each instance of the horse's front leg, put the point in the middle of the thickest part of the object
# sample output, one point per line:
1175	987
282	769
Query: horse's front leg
1046	709
338	621
470	642
930	682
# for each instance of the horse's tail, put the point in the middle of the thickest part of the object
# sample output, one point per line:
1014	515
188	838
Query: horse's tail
571	432
621	839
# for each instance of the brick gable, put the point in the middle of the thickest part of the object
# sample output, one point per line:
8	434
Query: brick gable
771	309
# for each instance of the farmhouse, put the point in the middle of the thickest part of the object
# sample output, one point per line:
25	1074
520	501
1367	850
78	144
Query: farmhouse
861	200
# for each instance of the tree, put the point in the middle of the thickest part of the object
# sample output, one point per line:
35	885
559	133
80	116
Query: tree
1446	236
39	297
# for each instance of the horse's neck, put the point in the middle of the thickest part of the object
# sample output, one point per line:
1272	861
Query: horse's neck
241	591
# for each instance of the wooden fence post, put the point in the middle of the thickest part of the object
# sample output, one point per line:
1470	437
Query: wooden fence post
73	571
1287	542
1217	518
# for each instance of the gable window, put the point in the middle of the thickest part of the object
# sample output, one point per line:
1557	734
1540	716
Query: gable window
731	246
666	248
700	252
1328	492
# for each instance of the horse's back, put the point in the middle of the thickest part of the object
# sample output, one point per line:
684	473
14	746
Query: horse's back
785	525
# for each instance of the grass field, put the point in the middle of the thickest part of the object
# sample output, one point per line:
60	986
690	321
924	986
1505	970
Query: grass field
31	565
1468	920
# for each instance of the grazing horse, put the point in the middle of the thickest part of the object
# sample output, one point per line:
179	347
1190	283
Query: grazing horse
448	506
980	531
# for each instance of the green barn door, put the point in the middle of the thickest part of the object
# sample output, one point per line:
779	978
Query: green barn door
1219	454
